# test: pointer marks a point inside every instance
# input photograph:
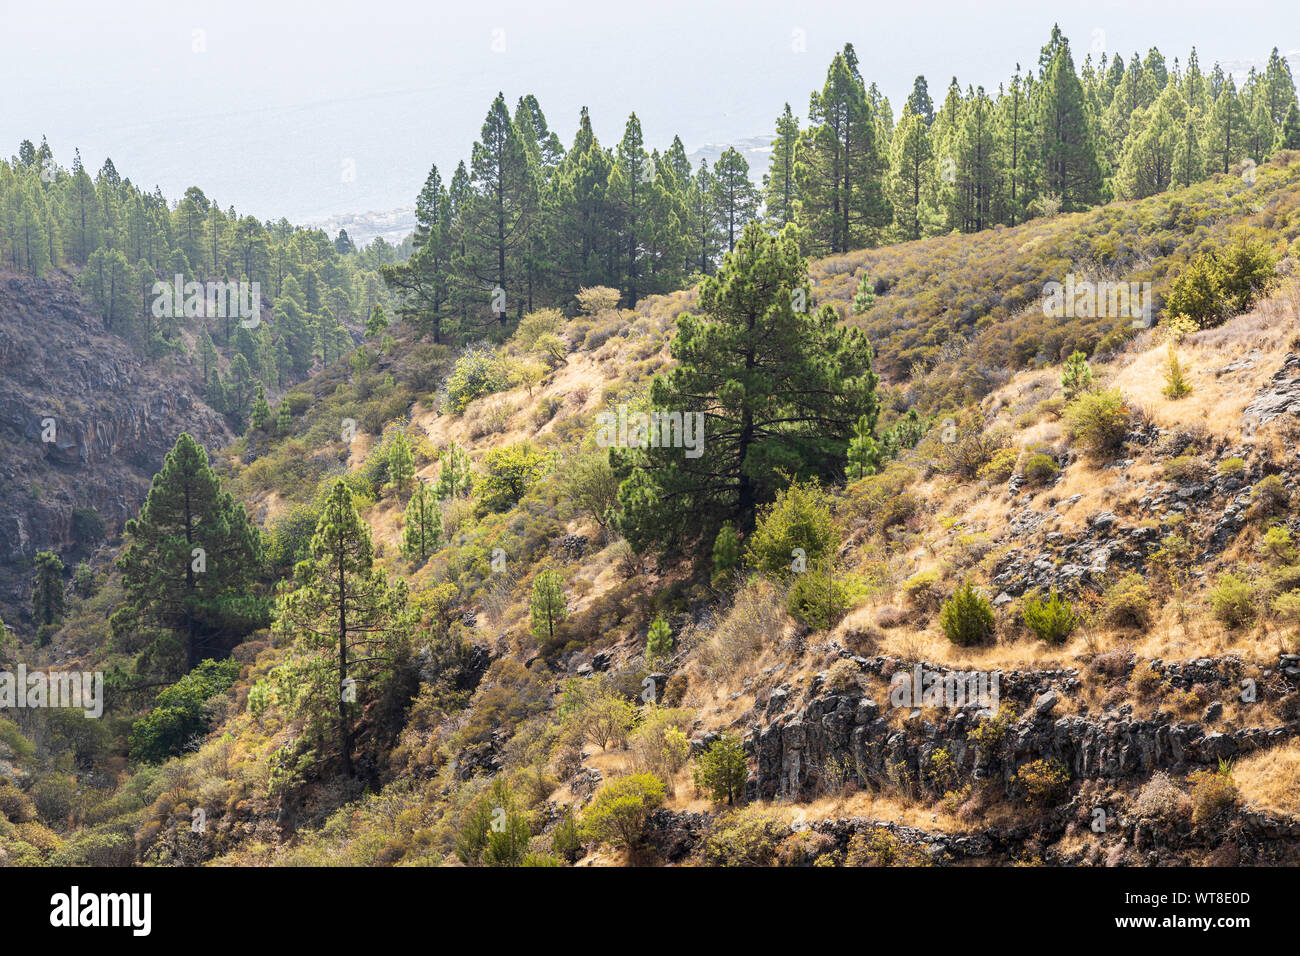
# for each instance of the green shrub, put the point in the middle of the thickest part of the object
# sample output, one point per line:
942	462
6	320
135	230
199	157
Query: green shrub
798	524
821	596
1052	620
478	372
178	714
1127	602
1000	466
1044	781
747	837
1232	600
1184	469
1269	497
1041	469
1098	421
967	617
618	813
1278	546
1212	791
721	771
1232	467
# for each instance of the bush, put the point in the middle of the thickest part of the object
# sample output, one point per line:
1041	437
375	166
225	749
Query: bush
842	675
721	771
1000	466
798	521
967	617
618	813
1045	782
820	597
1127	602
476	373
1098	421
659	743
1041	469
1184	469
1232	467
882	848
1212	792
747	837
1160	799
1052	620
1269	497
923	590
178	714
1277	547
1232	600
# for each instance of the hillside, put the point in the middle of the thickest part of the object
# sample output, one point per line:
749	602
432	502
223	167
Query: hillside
1139	567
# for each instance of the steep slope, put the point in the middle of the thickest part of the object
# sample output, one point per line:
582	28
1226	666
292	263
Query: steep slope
84	423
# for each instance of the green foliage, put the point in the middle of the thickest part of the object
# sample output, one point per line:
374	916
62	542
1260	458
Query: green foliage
1076	378
1269	497
658	642
726	553
1041	469
1098	421
422	524
347	625
1127	602
191	559
617	813
455	480
401	462
178	716
781	384
1232	600
548	606
1052	620
823	594
1176	384
746	837
508	474
47	589
478	372
1220	283
721	771
967	617
1045	782
794	533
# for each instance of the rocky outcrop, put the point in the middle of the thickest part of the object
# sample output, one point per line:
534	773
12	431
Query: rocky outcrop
801	752
1281	396
85	421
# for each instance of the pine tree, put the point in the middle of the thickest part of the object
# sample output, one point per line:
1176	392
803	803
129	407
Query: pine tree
910	186
780	387
658	642
1070	164
348	626
499	216
284	419
548	605
919	102
47	589
261	413
401	463
1225	129
378	321
191	559
842	206
422	523
1176	384
1076	377
865	297
734	195
864	453
455	479
779	180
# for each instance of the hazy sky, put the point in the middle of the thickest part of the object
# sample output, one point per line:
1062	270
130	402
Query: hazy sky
307	109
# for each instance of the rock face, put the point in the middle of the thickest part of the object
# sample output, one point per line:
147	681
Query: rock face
802	749
1281	396
84	423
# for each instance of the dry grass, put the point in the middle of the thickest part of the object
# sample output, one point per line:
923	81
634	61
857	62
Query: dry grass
1267	779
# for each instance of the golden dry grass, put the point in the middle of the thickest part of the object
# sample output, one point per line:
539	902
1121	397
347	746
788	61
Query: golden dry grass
1267	779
